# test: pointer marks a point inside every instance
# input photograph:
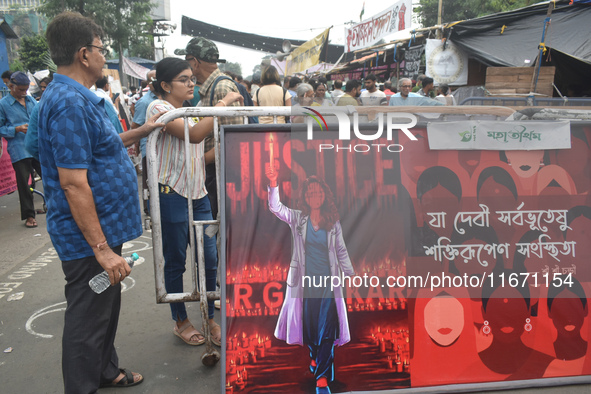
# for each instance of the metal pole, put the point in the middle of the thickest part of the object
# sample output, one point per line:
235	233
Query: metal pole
534	82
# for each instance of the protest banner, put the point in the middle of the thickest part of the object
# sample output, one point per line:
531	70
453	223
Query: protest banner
366	33
464	266
307	55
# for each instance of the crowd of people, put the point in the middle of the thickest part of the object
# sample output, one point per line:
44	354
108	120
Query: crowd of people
317	90
74	138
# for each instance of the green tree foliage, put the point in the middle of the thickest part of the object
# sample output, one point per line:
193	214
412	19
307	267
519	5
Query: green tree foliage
33	51
25	23
458	10
126	23
236	68
17	65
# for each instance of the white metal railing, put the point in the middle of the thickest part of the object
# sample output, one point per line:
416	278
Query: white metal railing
197	293
197	273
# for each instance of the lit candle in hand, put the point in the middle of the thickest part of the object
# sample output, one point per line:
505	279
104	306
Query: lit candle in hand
271	153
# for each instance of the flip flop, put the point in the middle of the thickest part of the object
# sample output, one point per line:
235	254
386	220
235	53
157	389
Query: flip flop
126	381
214	340
30	224
187	338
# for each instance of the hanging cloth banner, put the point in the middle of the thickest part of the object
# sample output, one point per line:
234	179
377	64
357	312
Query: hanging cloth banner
499	135
366	33
308	54
446	65
134	70
412	61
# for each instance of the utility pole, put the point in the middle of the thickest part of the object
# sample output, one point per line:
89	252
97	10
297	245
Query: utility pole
439	12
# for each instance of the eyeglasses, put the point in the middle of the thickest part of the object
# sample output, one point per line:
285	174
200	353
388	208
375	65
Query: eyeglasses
102	50
187	81
406	86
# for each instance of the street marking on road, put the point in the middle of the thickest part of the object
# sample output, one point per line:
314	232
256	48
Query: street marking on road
39	313
31	267
7	287
16	296
48	309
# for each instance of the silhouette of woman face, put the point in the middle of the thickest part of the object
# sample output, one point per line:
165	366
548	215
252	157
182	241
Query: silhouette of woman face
580	232
469	160
573	160
444	319
315	195
506	312
567	314
525	163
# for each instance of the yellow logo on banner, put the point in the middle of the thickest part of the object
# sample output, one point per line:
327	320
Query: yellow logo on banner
307	55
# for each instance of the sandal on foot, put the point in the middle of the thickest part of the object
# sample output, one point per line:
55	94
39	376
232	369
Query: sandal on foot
127	380
187	332
30	223
216	338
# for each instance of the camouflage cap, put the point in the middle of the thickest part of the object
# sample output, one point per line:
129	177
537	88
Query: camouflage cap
202	49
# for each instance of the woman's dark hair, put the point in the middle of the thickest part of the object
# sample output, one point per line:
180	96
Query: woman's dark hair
439	175
247	83
166	70
580	134
488	290
575	212
574	287
47	79
67	33
500	176
328	210
270	76
320	84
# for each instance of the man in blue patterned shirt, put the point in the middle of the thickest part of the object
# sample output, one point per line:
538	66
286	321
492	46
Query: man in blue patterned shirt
92	198
15	111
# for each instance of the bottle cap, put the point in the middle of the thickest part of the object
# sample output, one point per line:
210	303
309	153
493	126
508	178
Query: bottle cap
135	257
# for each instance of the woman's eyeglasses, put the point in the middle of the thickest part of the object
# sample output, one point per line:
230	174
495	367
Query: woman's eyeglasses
187	81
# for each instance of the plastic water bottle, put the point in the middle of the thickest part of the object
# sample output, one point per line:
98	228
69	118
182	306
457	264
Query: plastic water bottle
101	282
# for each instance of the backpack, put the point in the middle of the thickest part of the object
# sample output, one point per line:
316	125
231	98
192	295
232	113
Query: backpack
242	90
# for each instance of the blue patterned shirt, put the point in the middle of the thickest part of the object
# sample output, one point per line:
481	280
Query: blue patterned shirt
75	133
13	114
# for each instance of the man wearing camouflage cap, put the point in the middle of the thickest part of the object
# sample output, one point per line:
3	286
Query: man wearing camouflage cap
203	56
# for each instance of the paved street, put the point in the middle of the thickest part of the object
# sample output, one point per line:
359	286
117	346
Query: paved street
31	321
32	307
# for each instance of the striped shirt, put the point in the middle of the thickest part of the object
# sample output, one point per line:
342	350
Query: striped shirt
172	164
223	87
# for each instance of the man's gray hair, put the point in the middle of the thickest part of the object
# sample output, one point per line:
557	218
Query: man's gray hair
303	88
402	80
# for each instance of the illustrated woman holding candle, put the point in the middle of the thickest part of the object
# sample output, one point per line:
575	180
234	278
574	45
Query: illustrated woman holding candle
313	316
